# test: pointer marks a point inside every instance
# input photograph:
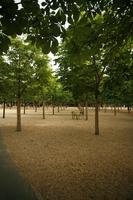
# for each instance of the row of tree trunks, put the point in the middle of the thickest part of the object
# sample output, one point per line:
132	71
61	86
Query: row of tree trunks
43	111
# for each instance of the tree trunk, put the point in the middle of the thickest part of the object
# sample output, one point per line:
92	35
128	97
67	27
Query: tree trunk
10	105
97	79
35	107
86	110
53	109
18	114
4	108
114	110
105	109
43	110
96	118
128	109
58	108
24	108
97	110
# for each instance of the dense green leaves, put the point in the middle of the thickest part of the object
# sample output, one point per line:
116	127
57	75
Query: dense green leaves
97	29
92	66
4	43
46	21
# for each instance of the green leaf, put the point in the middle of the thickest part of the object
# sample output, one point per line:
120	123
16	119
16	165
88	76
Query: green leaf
76	13
4	43
45	46
56	30
54	46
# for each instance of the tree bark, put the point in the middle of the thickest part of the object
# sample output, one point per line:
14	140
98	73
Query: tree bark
35	107
11	104
96	118
43	110
4	108
86	110
58	108
97	79
105	109
18	114
114	110
128	109
97	109
24	108
53	109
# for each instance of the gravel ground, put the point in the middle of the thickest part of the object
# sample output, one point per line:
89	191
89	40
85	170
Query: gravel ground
63	160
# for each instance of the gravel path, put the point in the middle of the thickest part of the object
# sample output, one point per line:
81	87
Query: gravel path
63	160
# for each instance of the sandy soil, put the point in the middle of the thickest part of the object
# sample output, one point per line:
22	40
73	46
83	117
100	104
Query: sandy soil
63	160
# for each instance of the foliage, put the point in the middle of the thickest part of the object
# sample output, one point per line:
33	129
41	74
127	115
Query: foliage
44	23
118	82
5	83
81	58
24	71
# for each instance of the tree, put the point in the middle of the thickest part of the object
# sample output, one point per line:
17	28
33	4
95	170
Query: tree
118	23
5	84
43	75
85	50
96	31
21	60
118	80
43	23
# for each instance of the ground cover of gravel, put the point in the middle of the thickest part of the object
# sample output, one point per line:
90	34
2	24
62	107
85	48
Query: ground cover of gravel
62	158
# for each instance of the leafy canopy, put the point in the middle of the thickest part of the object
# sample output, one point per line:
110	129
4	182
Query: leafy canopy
45	22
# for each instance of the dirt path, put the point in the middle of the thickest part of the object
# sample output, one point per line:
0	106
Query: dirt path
64	160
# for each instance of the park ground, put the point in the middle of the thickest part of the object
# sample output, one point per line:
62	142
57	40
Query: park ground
62	159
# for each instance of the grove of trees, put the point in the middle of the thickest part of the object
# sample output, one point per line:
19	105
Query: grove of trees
94	55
